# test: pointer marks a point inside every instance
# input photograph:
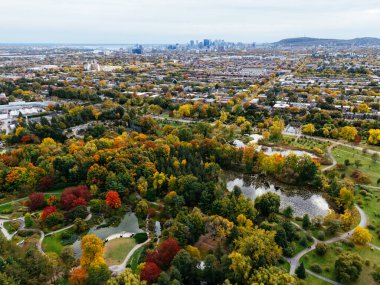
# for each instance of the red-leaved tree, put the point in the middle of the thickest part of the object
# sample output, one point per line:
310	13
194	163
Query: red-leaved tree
75	196
36	201
113	200
165	253
47	211
150	272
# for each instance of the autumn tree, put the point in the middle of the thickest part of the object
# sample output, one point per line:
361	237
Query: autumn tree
361	236
374	136
92	252
36	201
113	200
150	272
126	278
348	133
308	129
78	276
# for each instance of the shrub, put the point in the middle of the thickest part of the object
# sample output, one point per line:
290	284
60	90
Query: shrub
321	248
77	212
321	235
36	201
54	219
316	268
140	237
75	196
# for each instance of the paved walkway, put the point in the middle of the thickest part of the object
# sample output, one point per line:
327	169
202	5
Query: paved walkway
329	153
323	278
117	269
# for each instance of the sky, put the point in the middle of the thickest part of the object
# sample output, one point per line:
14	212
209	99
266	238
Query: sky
179	21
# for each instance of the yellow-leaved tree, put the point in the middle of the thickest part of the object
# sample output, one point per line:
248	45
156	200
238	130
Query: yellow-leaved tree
92	252
361	236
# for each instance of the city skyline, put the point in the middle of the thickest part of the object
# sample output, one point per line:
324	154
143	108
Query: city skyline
169	21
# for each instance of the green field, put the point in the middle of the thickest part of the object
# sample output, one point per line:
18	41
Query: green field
327	261
117	250
52	244
369	167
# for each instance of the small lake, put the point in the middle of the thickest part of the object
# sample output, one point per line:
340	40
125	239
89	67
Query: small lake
302	201
129	223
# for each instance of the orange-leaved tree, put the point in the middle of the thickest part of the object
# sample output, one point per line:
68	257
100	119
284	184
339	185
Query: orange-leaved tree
113	200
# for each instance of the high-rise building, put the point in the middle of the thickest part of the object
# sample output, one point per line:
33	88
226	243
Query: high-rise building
206	43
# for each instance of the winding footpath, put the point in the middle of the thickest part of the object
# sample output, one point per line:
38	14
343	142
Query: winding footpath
295	260
117	269
329	153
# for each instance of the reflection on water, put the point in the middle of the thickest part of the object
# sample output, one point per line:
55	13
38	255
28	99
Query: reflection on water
129	223
303	201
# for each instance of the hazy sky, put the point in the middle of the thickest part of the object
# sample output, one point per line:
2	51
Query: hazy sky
172	21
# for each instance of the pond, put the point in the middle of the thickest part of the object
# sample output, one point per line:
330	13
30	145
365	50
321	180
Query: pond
129	223
302	201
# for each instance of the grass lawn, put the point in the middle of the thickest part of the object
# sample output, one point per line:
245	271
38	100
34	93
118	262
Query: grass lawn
52	244
116	250
311	280
327	261
306	143
370	205
133	262
9	227
369	167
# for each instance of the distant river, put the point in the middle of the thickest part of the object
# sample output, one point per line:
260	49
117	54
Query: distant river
302	201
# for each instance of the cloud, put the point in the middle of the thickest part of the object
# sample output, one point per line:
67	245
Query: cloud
165	21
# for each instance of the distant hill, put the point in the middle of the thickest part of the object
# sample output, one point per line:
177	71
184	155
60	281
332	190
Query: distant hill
305	41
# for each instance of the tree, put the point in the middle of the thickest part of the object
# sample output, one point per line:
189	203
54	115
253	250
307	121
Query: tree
358	163
308	129
126	278
288	212
348	267
321	248
36	201
348	133
346	198
300	271
165	253
276	129
78	276
150	272
361	236
375	157
271	276
74	196
268	203
113	200
306	223
374	136
142	208
92	252
47	211
98	275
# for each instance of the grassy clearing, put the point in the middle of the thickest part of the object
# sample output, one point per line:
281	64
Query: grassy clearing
52	244
327	261
116	250
370	167
311	280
